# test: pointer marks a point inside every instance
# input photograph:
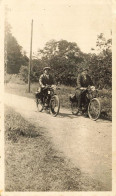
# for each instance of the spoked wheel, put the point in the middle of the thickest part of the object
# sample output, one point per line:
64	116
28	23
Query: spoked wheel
55	105
39	105
74	107
94	109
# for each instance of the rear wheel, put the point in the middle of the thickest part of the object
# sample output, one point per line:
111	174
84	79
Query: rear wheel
39	105
94	109
54	105
74	107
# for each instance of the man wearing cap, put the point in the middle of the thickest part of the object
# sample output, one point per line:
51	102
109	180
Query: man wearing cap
45	80
83	81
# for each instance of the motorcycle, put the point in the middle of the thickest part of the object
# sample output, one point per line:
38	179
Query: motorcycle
90	104
48	101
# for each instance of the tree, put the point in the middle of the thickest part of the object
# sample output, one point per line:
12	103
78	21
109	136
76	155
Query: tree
63	57
101	64
15	58
36	70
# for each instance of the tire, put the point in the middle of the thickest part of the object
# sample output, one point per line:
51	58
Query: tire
94	109
54	105
74	108
39	105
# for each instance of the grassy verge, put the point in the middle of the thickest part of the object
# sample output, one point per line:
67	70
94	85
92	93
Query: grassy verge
33	164
105	96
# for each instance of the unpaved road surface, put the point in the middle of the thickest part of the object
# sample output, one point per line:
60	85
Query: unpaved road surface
87	143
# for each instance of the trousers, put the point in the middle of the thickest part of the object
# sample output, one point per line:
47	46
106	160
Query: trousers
79	94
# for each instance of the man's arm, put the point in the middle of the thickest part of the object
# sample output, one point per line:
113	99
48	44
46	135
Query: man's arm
40	82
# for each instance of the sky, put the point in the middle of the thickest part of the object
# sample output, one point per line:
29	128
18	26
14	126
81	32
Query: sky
71	20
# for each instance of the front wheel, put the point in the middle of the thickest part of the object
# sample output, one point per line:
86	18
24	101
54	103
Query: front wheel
94	109
39	105
54	105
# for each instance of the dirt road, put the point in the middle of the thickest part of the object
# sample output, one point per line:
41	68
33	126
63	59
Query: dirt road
86	143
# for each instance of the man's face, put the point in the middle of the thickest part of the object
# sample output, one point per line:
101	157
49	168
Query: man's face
84	72
46	71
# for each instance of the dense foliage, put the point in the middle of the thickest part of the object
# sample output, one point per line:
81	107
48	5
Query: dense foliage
65	59
100	65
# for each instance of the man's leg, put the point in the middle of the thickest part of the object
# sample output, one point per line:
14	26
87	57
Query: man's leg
78	98
45	94
42	95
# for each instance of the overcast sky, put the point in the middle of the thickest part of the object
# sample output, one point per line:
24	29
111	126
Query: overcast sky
72	20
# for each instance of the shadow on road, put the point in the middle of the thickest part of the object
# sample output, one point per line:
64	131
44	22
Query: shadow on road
71	116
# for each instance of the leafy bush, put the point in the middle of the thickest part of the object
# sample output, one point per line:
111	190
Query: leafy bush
36	71
23	73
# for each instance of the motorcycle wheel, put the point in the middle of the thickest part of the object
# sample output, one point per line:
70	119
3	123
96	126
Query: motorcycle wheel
94	109
39	105
74	108
54	105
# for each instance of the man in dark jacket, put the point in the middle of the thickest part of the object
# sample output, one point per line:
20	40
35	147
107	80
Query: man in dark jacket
45	80
83	81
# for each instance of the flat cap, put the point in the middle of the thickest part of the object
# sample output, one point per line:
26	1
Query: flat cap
46	68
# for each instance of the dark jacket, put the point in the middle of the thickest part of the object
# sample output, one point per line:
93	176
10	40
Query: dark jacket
44	80
84	81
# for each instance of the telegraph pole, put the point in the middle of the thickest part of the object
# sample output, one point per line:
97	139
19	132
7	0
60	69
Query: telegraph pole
30	60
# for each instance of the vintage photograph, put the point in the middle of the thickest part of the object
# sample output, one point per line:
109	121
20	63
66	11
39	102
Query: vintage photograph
58	95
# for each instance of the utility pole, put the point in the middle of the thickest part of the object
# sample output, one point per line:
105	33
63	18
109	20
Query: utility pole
30	60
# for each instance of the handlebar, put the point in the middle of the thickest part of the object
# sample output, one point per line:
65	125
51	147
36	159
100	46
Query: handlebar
51	87
82	88
88	88
47	87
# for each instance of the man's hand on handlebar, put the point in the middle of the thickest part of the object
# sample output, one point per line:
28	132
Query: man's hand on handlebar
47	86
83	88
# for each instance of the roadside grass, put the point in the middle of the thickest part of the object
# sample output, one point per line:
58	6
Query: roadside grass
105	96
33	164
